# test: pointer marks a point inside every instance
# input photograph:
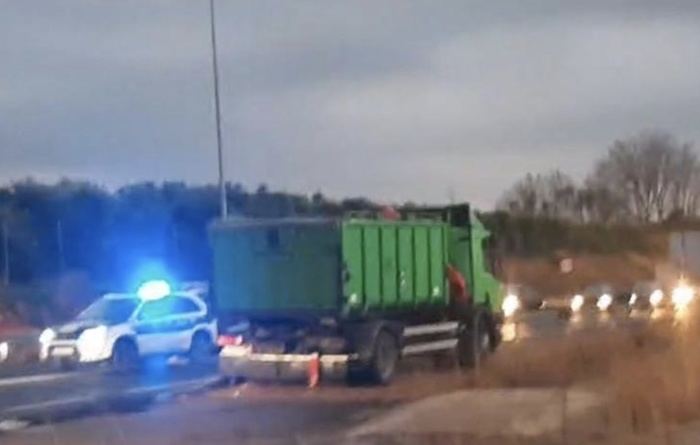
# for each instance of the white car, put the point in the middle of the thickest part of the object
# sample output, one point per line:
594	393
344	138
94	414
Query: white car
122	328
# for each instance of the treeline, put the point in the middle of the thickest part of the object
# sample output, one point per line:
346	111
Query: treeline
531	236
46	230
645	185
650	177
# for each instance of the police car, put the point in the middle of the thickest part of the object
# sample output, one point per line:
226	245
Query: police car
123	328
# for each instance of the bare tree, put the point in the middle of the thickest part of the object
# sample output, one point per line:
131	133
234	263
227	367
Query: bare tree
600	204
648	172
685	184
551	195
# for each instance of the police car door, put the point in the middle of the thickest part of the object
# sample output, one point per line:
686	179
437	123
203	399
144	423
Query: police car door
189	315
158	326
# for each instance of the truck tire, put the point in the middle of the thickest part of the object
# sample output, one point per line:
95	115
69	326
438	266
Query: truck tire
384	359
382	363
474	343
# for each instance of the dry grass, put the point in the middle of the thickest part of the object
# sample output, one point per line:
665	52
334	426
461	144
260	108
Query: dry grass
556	362
655	388
651	377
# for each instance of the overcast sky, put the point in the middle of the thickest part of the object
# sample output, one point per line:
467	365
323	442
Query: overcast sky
395	100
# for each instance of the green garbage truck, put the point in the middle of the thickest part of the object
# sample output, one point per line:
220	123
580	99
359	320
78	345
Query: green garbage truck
352	296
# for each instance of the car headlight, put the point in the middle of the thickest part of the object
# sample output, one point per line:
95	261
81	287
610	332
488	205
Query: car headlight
92	341
604	302
4	351
576	303
682	295
656	297
510	305
47	336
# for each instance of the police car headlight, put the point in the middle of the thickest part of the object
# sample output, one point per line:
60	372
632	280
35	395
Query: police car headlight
92	341
4	351
47	336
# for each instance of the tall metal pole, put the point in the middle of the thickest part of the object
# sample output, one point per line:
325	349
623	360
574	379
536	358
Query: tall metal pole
59	245
223	204
5	253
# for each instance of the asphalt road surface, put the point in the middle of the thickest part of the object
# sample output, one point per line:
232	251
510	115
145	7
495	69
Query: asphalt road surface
224	419
86	407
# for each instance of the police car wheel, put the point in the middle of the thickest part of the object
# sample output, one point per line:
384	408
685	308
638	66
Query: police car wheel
66	365
125	356
201	348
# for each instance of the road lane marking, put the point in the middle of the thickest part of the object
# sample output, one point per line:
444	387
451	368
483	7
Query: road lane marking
176	386
41	378
48	404
180	387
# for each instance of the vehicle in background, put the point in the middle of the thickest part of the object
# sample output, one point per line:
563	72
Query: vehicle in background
352	296
597	297
528	297
682	295
647	295
123	328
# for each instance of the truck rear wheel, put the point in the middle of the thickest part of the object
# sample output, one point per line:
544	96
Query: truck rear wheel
382	364
386	355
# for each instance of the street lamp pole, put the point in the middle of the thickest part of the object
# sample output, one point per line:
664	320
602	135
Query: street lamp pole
223	203
5	253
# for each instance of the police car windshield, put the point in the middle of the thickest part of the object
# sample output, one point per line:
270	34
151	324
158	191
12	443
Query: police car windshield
112	310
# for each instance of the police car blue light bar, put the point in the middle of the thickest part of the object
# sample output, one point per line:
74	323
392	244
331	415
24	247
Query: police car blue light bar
153	290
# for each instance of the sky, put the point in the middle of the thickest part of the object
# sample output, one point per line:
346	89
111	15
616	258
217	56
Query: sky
395	100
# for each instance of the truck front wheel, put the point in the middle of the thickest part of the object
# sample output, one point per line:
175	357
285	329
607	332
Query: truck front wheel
474	342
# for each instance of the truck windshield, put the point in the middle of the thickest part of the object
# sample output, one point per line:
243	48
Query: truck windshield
110	310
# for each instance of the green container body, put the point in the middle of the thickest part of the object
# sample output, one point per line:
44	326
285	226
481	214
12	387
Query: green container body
394	265
276	267
279	267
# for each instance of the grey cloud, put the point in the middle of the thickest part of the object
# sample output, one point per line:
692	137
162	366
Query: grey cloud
395	100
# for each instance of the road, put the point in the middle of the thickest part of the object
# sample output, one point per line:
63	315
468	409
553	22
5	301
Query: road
79	408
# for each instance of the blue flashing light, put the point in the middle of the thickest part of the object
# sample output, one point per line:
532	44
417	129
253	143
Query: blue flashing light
153	290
